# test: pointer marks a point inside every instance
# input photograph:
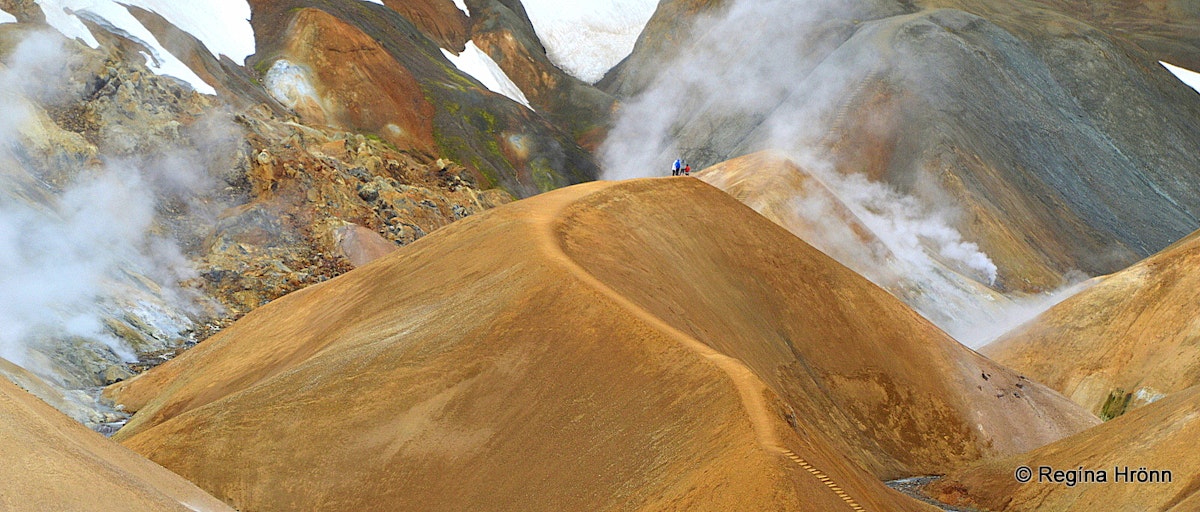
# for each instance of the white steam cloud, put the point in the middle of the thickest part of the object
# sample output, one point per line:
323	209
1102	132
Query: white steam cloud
775	75
84	248
55	263
914	233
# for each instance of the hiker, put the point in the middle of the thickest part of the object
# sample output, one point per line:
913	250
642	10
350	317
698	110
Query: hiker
687	170
677	167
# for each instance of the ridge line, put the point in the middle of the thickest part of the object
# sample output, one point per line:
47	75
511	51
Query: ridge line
744	380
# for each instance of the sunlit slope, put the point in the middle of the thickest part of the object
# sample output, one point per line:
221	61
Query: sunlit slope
845	356
1158	437
475	370
1129	339
53	463
641	345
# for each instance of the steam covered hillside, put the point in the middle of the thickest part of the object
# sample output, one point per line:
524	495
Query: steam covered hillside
428	254
968	137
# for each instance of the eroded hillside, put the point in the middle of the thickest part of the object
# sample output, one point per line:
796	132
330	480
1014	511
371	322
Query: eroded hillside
703	340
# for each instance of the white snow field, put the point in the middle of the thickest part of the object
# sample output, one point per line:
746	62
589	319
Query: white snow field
7	18
223	27
479	65
462	6
586	39
1187	76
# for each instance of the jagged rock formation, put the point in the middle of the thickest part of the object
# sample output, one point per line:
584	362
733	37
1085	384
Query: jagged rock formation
1155	438
324	61
54	463
1128	340
303	189
592	310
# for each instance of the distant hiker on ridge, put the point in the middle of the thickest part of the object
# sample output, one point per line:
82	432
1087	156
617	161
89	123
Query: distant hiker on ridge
687	170
676	168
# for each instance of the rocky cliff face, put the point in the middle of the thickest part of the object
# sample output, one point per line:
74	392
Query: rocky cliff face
502	142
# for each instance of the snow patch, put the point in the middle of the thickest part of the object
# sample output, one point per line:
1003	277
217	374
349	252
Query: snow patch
289	84
1187	76
380	2
479	65
222	25
462	6
586	39
67	17
7	18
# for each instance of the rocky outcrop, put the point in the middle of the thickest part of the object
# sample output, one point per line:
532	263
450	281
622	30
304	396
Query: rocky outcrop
507	35
344	68
302	188
361	246
324	62
238	208
501	142
23	10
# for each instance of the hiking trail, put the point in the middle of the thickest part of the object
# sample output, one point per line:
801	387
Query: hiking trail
750	388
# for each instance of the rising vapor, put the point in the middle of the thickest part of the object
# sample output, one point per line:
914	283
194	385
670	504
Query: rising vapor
81	244
758	75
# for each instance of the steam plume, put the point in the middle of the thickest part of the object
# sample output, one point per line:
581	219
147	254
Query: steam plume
775	75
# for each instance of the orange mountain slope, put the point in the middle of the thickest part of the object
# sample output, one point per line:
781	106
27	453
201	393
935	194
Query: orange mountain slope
1159	437
640	345
842	353
1127	340
53	463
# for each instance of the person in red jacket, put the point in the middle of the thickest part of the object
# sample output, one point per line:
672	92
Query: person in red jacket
687	170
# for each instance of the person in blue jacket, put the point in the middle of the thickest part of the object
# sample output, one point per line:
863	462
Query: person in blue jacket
677	167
